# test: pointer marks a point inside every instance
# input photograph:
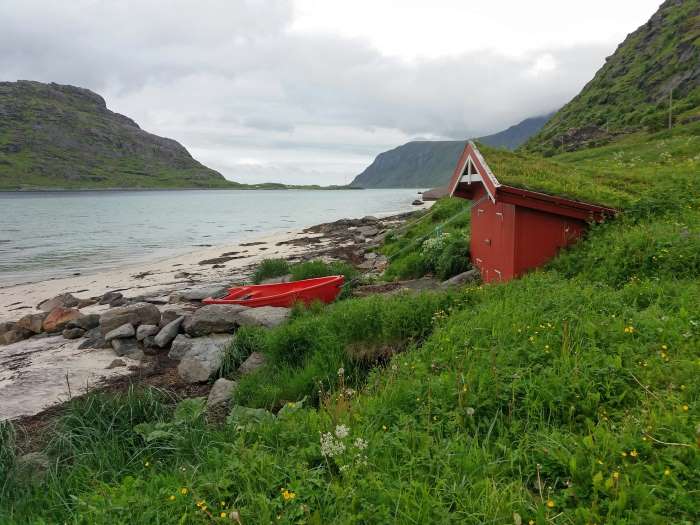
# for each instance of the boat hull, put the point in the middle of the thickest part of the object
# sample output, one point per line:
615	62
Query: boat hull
323	289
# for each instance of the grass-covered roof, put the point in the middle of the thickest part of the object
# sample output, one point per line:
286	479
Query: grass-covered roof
616	175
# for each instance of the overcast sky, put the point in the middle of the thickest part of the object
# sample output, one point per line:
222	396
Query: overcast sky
310	91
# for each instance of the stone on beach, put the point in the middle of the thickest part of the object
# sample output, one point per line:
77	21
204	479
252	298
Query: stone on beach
65	300
197	294
145	330
128	348
33	322
15	335
170	312
255	361
213	318
86	322
109	297
73	333
94	339
168	332
220	393
203	358
134	314
182	344
124	331
267	316
59	317
116	363
367	231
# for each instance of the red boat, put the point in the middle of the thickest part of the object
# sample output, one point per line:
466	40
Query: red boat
324	289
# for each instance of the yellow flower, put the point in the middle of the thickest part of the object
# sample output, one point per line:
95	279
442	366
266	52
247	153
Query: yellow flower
667	471
623	454
531	522
384	427
634	453
664	347
222	503
616	475
685	408
183	491
172	498
200	503
288	495
223	514
629	329
147	464
550	503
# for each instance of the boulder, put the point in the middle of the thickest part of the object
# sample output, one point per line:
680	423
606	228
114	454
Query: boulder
267	316
149	345
203	358
220	394
94	339
59	317
82	303
168	332
127	347
469	276
73	333
7	326
213	318
124	331
367	231
134	314
121	301
197	294
172	311
33	322
255	361
145	330
15	335
64	300
109	297
182	344
417	202
86	322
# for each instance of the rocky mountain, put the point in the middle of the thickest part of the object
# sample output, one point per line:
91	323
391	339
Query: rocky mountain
56	136
656	66
421	164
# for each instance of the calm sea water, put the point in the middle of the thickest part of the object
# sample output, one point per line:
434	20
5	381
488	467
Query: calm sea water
55	234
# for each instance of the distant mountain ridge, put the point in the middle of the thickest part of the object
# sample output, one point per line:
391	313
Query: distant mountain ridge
654	68
58	136
423	164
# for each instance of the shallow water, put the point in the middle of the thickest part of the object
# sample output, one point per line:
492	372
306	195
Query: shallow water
56	234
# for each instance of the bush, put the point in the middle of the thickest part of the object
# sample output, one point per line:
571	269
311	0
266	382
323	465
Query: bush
454	258
411	266
269	268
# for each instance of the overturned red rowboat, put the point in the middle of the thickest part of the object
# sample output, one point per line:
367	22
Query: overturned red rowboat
324	289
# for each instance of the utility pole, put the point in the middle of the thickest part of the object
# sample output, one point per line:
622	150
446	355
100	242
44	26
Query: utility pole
670	109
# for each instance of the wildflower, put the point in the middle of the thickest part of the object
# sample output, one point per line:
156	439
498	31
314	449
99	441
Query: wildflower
634	453
223	514
616	475
146	464
629	329
600	462
330	446
550	503
341	371
183	491
222	503
664	347
470	411
682	387
172	497
623	454
200	503
531	522
384	428
342	431
360	444
667	471
288	495
685	408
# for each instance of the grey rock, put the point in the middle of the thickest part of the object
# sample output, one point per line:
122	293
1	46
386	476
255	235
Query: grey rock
73	333
115	364
7	326
134	314
168	332
182	344
121	301
15	336
145	330
213	318
267	316
109	297
254	362
65	300
198	294
220	393
203	358
469	276
127	347
149	345
59	317
87	322
32	322
94	339
367	231
124	331
171	312
82	303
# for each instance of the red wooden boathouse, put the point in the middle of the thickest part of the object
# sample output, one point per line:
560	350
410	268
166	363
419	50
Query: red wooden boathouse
514	230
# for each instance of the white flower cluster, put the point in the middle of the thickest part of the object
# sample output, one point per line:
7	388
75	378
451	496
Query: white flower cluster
341	431
330	446
333	446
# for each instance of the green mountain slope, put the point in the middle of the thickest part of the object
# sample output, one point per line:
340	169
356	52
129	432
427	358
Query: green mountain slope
56	136
658	63
421	164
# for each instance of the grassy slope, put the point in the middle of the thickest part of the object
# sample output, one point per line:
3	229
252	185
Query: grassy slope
569	396
631	91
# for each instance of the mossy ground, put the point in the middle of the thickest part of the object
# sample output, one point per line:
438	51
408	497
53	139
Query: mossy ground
568	396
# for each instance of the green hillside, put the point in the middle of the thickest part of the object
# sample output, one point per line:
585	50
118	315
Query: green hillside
657	64
63	137
427	164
